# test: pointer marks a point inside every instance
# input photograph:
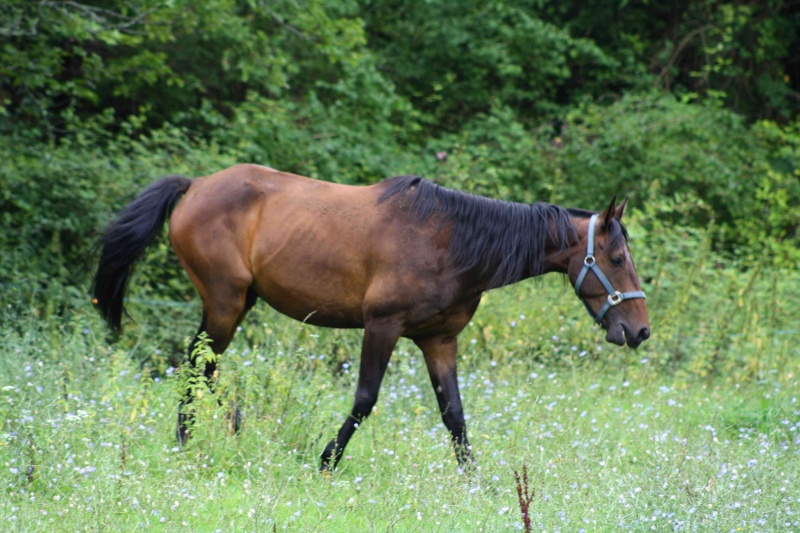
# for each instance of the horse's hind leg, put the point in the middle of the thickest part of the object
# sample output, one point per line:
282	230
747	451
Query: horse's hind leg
221	315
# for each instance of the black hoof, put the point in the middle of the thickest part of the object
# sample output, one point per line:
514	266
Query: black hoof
182	436
182	433
234	419
329	458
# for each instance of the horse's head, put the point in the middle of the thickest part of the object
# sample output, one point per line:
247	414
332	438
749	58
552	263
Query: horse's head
602	271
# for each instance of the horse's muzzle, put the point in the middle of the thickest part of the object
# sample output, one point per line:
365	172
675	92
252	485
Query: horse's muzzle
635	341
621	334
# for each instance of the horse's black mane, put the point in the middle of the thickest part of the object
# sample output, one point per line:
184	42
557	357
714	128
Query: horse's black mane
488	233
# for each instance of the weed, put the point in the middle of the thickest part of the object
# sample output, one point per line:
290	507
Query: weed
525	497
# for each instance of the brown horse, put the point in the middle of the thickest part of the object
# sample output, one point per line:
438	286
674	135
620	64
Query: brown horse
401	258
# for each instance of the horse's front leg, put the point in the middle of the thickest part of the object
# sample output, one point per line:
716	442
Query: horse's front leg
380	338
440	357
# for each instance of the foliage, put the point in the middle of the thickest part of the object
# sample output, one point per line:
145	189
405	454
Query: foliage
568	103
54	207
654	148
738	54
177	61
691	108
87	435
454	60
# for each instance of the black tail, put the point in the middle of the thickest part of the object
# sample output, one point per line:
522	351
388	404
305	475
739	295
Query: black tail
125	241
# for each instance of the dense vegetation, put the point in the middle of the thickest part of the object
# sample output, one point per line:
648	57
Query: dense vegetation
689	107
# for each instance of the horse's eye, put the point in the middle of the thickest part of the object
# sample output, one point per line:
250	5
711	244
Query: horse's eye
617	261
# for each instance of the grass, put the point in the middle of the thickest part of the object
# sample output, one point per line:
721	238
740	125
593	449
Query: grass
611	439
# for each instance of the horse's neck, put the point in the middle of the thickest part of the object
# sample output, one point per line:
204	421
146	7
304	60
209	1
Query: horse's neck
556	258
559	253
557	261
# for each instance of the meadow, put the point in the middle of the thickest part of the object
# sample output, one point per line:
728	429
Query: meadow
698	430
690	108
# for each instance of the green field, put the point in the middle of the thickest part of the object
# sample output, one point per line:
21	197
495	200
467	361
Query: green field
611	438
691	109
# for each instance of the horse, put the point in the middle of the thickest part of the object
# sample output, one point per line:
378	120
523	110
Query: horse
403	257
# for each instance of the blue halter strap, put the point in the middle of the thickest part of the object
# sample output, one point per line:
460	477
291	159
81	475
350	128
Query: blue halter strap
589	263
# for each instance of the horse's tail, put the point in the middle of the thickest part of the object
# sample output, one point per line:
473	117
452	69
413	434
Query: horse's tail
125	241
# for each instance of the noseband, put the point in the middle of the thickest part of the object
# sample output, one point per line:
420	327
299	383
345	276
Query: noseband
589	263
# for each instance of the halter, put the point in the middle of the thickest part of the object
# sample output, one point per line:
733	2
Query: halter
589	263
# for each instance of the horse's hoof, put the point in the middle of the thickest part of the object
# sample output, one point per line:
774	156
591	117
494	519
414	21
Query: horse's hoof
182	432
326	469
234	418
182	436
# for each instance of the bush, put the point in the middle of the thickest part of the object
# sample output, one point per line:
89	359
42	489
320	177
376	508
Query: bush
56	199
741	180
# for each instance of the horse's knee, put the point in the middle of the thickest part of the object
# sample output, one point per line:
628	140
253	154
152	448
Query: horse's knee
364	402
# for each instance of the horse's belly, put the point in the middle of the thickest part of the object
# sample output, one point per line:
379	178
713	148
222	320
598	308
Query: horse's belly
319	307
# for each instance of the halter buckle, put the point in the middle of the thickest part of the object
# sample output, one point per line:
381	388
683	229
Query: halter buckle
589	261
615	298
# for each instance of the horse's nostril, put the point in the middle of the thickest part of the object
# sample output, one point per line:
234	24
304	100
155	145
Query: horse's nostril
644	334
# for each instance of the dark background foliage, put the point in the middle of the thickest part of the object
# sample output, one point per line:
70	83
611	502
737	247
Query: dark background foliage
689	107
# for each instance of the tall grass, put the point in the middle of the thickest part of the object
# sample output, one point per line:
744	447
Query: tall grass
610	438
698	430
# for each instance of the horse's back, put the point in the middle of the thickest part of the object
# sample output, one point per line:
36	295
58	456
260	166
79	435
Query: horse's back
244	196
305	246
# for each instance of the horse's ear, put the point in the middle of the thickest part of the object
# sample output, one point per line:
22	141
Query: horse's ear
610	212
620	210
